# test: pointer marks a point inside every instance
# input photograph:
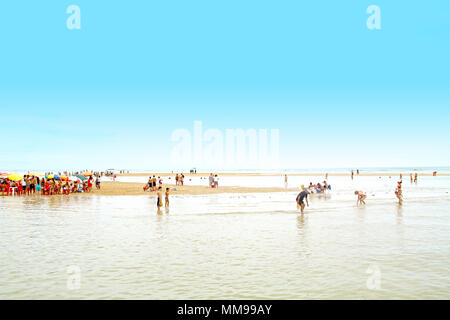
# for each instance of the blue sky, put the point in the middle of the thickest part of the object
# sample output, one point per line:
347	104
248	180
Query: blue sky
110	94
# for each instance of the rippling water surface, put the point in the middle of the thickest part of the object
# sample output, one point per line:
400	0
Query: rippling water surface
230	246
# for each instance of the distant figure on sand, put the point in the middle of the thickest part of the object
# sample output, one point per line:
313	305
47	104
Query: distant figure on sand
352	174
285	181
300	198
398	192
211	180
216	181
415	177
361	197
411	177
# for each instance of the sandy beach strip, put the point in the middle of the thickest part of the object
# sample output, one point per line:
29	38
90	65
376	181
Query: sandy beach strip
110	188
304	174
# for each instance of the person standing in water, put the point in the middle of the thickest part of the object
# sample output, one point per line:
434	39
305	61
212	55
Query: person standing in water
398	192
302	196
167	198
159	198
361	197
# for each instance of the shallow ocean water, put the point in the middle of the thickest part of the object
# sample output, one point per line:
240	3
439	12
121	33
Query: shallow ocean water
230	246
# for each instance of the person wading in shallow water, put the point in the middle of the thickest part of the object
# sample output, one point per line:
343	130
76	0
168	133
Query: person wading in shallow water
167	198
361	197
302	196
398	192
159	202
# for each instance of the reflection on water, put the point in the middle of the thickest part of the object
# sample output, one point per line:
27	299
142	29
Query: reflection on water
224	246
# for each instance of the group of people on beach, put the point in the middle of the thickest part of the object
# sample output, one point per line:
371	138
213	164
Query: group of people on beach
213	180
179	179
152	182
32	184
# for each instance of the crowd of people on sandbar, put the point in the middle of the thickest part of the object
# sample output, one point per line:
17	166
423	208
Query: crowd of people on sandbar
48	184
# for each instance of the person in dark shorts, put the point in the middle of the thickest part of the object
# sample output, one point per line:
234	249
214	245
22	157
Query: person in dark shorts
159	203
302	196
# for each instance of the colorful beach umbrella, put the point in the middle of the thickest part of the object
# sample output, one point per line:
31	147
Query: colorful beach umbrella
74	178
36	174
82	178
53	176
15	176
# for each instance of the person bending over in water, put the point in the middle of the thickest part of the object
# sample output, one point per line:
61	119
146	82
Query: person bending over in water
398	192
361	197
300	198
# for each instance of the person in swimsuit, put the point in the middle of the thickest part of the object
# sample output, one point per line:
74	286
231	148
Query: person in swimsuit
361	197
398	192
32	184
159	199
167	198
300	200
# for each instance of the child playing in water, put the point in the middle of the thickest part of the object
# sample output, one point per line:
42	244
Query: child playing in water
167	198
361	197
